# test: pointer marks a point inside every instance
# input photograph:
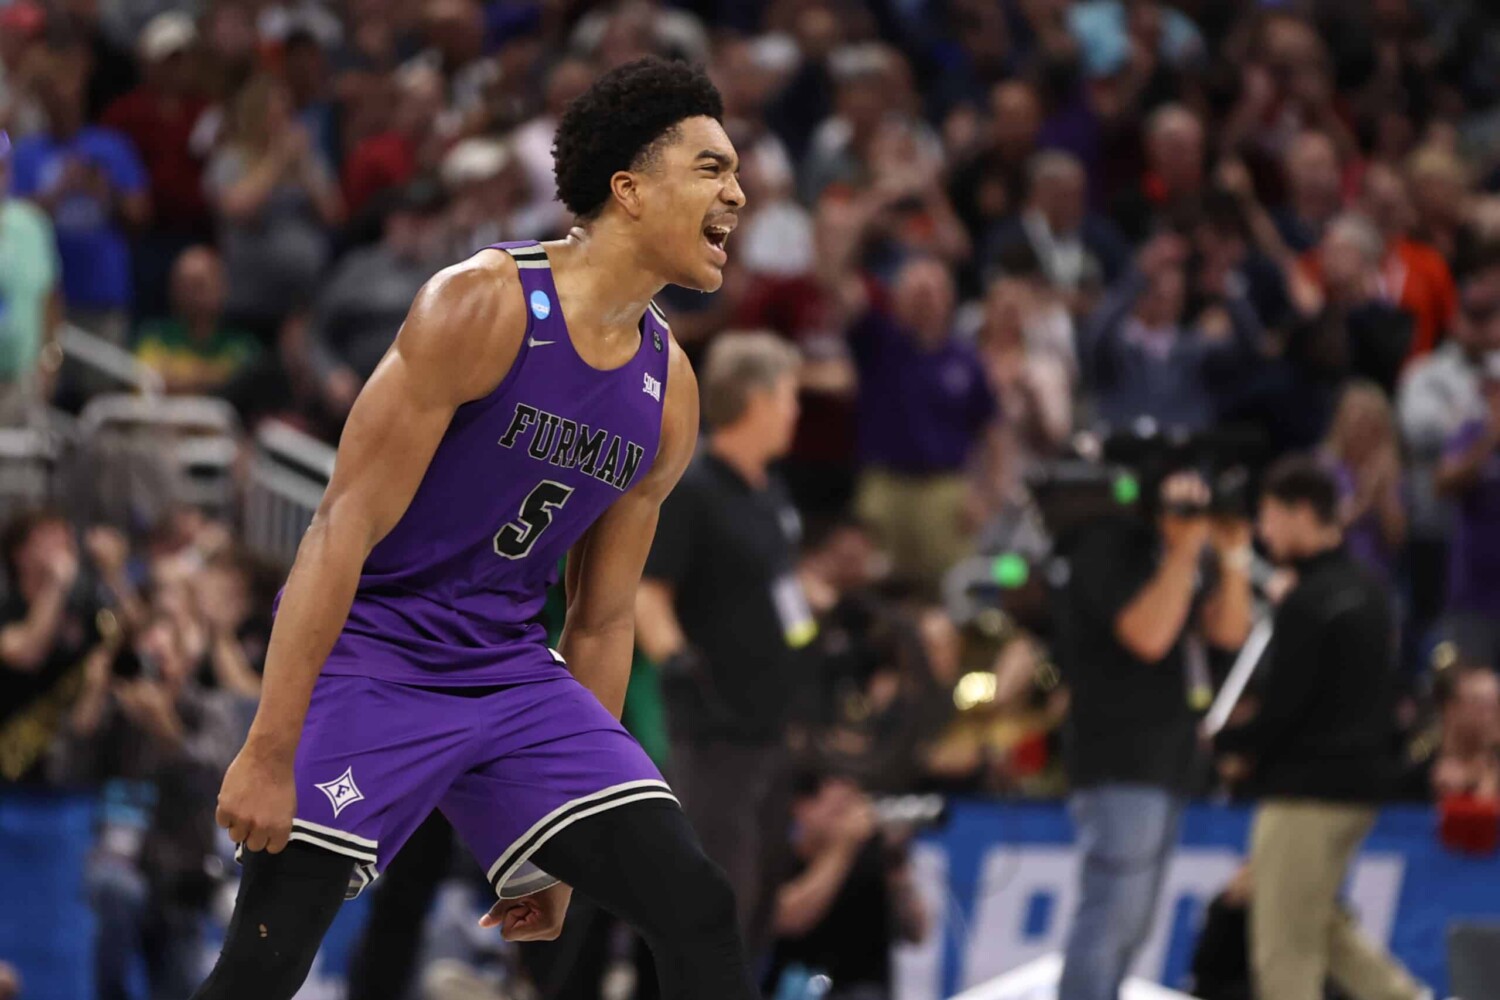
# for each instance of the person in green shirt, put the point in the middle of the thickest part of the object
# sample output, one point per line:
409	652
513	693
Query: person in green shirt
29	304
193	352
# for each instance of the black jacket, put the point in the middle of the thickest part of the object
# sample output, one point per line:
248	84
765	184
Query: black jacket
1326	728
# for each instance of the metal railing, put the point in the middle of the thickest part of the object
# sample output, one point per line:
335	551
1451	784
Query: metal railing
107	362
289	471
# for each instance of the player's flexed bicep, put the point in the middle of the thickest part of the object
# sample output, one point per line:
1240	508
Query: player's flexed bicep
604	567
460	337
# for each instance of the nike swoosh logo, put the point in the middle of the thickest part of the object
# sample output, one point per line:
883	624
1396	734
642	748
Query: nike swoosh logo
533	342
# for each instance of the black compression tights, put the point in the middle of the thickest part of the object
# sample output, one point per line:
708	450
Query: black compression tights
640	861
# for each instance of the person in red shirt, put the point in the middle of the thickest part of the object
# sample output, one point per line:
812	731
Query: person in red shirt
1416	277
160	117
389	159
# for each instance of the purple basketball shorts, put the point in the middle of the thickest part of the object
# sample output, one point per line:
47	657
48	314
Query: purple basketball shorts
509	767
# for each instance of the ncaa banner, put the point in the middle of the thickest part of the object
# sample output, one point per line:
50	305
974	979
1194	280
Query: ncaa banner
1000	882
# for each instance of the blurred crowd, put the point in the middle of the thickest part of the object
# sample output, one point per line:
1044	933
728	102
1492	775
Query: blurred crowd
984	225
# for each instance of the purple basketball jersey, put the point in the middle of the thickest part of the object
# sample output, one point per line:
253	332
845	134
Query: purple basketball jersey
452	594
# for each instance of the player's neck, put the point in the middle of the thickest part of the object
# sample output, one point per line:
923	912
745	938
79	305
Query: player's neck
742	452
600	280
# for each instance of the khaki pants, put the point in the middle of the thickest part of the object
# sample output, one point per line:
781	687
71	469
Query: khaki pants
919	520
1300	936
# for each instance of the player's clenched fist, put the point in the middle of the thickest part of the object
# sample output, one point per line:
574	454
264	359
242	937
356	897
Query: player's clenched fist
537	917
257	801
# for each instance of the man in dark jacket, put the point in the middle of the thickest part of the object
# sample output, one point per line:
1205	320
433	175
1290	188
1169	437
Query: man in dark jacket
1319	752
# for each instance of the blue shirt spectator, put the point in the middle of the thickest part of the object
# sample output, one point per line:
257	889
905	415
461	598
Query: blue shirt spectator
1141	360
92	183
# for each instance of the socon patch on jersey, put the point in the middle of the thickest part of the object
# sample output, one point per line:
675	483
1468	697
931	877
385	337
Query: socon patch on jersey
541	305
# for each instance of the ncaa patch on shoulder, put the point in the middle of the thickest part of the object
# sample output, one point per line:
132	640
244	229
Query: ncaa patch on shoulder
541	305
656	339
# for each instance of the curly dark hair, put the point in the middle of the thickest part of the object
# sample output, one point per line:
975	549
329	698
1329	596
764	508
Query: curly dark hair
618	123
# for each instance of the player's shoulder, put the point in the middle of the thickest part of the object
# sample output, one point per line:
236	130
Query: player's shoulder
468	321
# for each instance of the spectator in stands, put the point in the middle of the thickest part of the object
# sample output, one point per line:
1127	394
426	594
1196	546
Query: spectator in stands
21	27
1416	276
107	68
1079	252
389	158
925	415
1142	361
487	188
1173	180
1439	394
229	53
842	145
30	304
155	743
275	199
1364	454
193	351
304	67
1026	342
1469	474
1464	756
160	118
531	143
364	303
47	633
1442	194
1344	326
238	631
90	181
846	896
991	185
453	34
1314	191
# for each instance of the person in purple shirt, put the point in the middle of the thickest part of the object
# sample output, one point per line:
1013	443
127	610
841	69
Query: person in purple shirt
1469	474
922	415
1364	455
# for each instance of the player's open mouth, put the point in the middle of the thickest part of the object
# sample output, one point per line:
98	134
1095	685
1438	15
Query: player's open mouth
716	236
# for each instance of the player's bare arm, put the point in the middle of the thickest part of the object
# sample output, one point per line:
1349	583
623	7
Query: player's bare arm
604	568
435	365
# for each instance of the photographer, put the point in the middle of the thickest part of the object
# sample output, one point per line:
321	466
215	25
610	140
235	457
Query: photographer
154	743
1319	750
847	895
1140	601
47	627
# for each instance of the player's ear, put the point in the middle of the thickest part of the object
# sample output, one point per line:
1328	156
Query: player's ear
626	188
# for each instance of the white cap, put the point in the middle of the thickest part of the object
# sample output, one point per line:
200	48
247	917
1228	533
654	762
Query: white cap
165	35
474	160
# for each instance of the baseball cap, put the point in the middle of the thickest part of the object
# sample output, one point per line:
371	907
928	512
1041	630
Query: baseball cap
165	35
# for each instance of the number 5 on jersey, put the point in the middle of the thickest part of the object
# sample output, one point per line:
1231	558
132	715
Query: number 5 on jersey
515	540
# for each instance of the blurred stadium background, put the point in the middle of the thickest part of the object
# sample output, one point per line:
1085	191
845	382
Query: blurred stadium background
1118	228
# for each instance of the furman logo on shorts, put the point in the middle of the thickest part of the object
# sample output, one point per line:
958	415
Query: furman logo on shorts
342	791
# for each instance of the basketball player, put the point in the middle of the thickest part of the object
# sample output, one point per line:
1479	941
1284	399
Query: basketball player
533	405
